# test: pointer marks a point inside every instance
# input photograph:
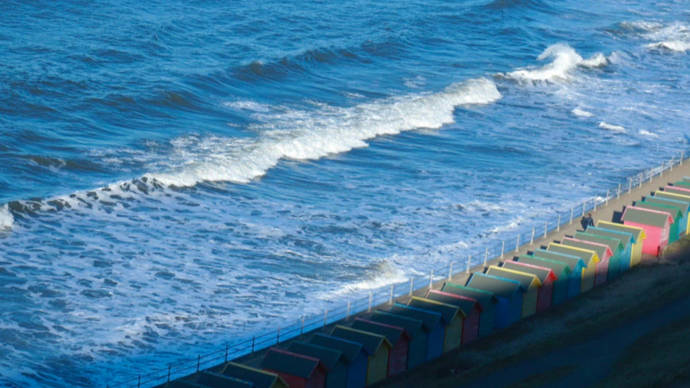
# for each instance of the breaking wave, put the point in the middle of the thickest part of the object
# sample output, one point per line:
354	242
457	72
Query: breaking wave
564	61
6	218
611	127
671	37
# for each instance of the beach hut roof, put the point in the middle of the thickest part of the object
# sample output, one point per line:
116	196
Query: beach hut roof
558	267
588	256
679	197
678	190
624	237
571	260
392	333
484	297
541	272
614	243
675	211
647	216
213	379
526	279
465	303
411	325
429	318
350	349
448	311
371	341
602	250
291	363
638	233
682	205
260	378
498	285
329	357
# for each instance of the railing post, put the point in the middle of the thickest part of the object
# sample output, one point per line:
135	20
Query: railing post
254	338
571	215
503	247
411	285
546	228
583	208
607	196
431	279
325	318
486	255
618	191
347	313
469	257
390	299
558	224
670	165
450	270
301	331
226	352
517	242
278	336
531	240
371	298
629	185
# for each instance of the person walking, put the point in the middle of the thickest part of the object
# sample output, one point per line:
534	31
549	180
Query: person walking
587	221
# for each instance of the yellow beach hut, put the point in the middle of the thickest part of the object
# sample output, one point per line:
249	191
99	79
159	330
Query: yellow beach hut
638	234
590	258
529	282
452	315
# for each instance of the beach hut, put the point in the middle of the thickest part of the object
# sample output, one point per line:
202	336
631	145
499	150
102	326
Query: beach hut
676	197
561	272
685	182
588	256
216	380
639	236
433	325
674	211
259	378
529	284
574	263
656	225
508	292
682	205
603	253
376	345
332	359
626	239
470	307
355	356
617	259
677	190
398	338
298	371
545	275
452	320
487	301
416	351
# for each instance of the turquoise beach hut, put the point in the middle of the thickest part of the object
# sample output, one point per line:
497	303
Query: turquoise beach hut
626	238
575	263
560	270
487	300
617	249
509	293
683	206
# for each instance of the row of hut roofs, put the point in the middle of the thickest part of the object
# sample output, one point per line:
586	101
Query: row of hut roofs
399	337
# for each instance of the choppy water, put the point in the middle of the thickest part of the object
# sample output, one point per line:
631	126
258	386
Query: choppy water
174	173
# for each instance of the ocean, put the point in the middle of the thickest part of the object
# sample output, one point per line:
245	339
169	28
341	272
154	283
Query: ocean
176	174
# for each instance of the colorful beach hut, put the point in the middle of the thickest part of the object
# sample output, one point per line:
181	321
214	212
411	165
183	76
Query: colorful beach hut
508	292
470	307
354	353
398	338
416	352
259	378
376	345
433	325
639	236
676	197
529	284
676	190
561	273
298	371
574	263
545	275
333	360
452	320
626	239
682	205
487	301
656	225
675	212
617	259
588	256
603	253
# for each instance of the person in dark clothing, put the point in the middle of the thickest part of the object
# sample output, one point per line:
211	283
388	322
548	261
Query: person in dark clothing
587	221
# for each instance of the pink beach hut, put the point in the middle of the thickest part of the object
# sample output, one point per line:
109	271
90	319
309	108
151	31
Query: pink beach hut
678	190
545	275
656	224
603	251
469	306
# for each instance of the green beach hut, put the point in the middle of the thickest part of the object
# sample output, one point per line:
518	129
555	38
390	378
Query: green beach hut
675	197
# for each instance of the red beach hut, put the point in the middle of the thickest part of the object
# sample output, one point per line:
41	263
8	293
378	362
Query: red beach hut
545	275
656	224
469	306
298	371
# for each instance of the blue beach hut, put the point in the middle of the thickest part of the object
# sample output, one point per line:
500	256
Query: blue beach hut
509	293
355	355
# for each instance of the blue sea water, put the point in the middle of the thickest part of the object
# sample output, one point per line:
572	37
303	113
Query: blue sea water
176	173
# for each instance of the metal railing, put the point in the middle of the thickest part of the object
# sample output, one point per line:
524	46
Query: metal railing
246	345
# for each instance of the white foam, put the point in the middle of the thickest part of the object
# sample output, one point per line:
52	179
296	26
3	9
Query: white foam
581	113
308	135
672	37
672	45
386	273
248	105
565	60
611	127
647	133
6	218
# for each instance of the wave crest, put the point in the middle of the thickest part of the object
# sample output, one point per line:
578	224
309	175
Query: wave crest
565	60
6	218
